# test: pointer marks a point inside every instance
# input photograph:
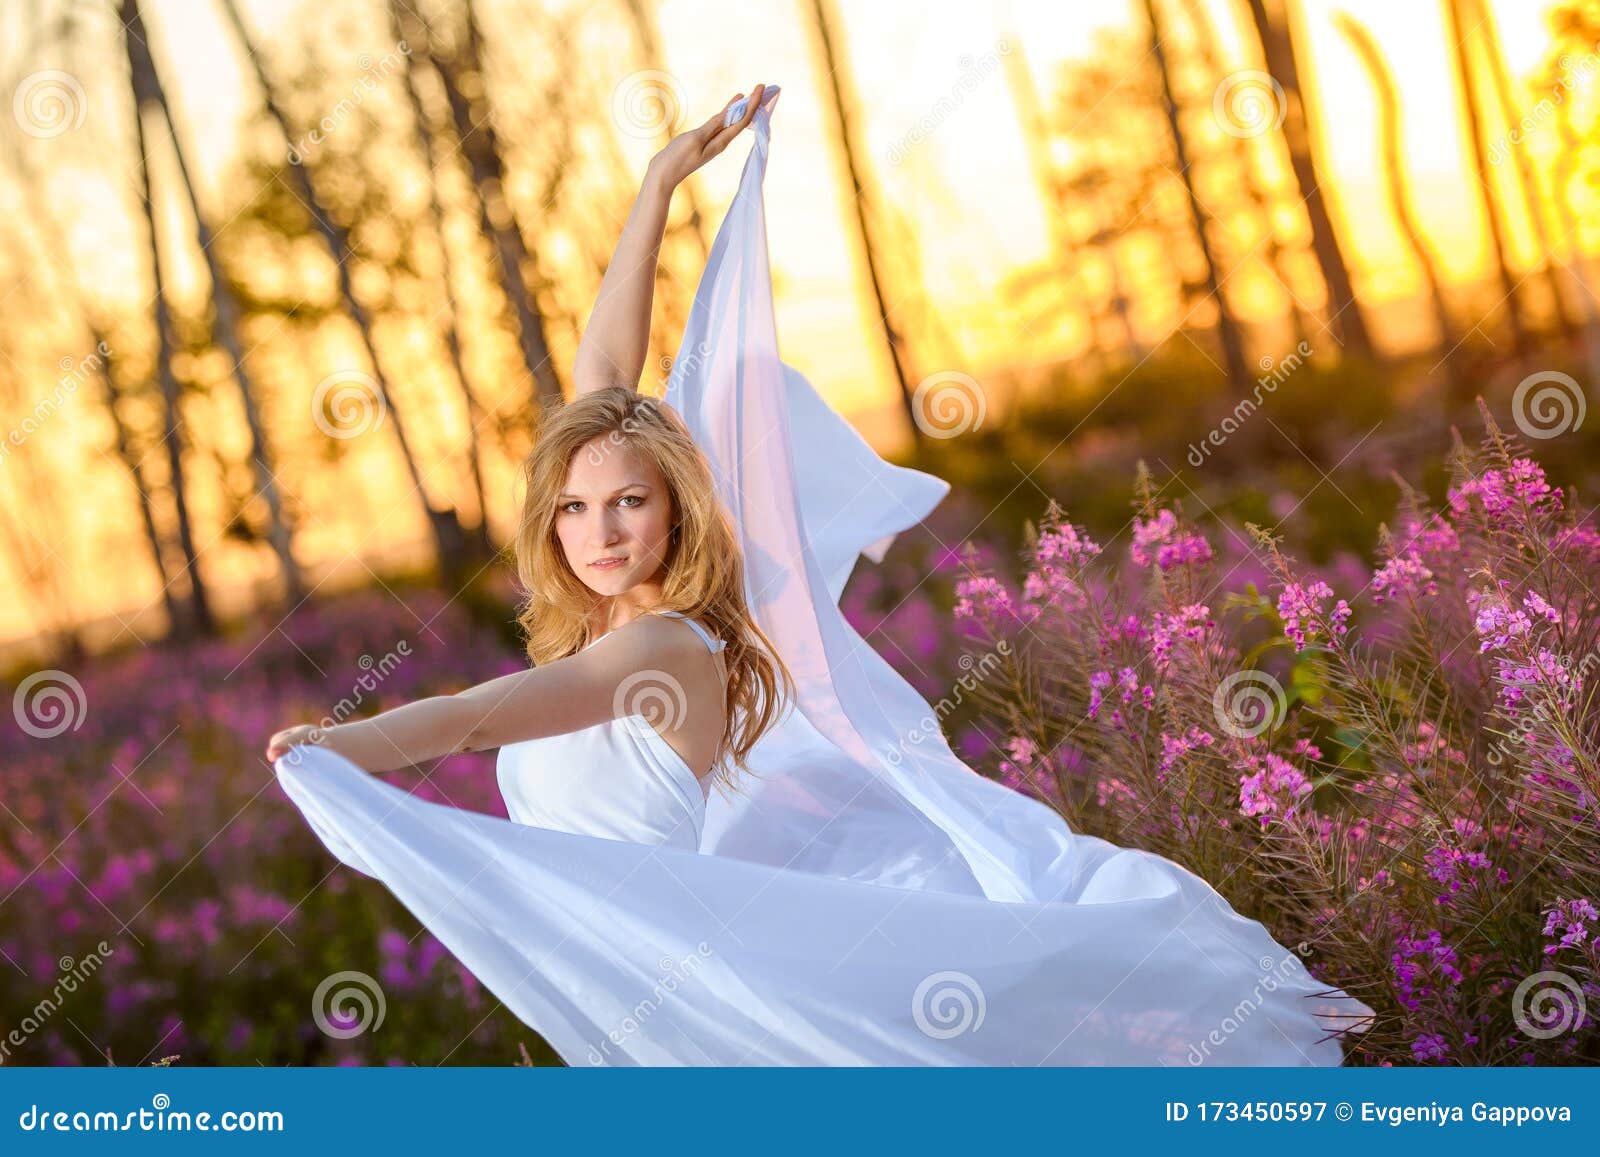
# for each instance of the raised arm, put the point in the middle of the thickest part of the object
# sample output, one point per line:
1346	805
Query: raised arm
616	339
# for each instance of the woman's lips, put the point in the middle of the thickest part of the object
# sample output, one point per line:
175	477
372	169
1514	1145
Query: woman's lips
608	563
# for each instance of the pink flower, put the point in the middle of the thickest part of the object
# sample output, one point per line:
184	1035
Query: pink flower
1191	622
1173	750
1300	607
1157	540
1571	919
1403	573
1274	788
983	595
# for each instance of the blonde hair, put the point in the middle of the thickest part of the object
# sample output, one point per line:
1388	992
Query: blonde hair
704	563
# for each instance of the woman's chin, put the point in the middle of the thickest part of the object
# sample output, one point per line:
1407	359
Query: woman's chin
607	583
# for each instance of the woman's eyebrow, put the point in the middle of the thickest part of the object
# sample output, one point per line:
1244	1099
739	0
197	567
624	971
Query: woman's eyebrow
625	486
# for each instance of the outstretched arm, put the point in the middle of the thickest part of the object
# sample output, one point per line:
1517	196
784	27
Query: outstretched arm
616	339
567	695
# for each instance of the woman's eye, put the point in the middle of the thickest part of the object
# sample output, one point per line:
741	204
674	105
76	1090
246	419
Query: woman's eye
631	498
568	507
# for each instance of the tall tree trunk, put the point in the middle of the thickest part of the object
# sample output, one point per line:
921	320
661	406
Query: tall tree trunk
406	26
52	251
1457	33
226	333
466	85
442	523
1275	31
1399	194
1227	326
1244	155
1482	16
824	24
143	73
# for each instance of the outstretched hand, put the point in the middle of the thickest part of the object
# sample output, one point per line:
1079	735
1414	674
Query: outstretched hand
280	743
686	152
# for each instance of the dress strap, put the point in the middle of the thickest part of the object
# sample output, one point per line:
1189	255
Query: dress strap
710	640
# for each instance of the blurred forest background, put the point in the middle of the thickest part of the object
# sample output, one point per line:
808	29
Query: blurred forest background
288	286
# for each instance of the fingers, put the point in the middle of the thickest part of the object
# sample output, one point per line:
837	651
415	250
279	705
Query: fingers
719	140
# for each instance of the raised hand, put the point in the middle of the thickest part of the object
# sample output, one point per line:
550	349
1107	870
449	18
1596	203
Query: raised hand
686	152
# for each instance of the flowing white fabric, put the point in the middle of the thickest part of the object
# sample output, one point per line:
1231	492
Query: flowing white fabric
869	899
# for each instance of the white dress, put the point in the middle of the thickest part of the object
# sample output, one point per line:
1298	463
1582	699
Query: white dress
620	779
868	898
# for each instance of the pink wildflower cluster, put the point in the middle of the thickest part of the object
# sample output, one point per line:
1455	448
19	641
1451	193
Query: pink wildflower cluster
983	595
1174	749
1452	867
1569	919
1159	541
1300	606
1059	557
1191	622
1420	964
1272	789
1404	573
1499	491
1126	683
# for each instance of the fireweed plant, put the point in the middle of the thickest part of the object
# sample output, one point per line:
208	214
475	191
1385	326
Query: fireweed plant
1400	781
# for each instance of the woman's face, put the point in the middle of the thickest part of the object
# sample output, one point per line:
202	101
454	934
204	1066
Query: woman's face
614	506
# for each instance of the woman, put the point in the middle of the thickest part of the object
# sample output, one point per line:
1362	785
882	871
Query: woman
861	896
